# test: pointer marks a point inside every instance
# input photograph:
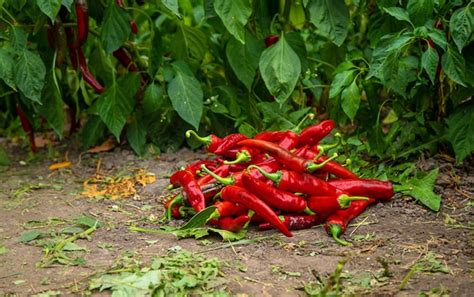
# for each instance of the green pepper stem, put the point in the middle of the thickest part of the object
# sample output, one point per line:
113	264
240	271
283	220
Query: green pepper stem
242	157
178	199
315	166
298	126
205	140
336	231
325	147
308	211
223	180
345	200
274	177
170	187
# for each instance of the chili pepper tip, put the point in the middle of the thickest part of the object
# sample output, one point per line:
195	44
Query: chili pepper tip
335	231
308	211
170	187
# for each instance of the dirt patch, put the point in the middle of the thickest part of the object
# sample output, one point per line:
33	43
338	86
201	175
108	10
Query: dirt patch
397	234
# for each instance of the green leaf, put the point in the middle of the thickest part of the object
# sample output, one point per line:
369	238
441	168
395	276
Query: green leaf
186	94
429	62
460	127
228	235
172	5
439	38
6	68
280	68
73	247
420	11
421	187
52	108
87	221
116	103
92	131
350	100
4	160
244	58
341	80
115	28
189	42
153	98
460	26
453	65
200	219
234	14
29	236
18	38
331	17
30	74
67	4
136	135
49	8
398	13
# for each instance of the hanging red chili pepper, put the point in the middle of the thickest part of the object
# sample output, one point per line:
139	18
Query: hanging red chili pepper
88	77
193	191
26	125
294	222
122	56
274	197
242	196
336	224
71	46
380	190
82	14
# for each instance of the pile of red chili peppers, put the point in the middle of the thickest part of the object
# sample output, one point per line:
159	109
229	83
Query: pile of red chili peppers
278	179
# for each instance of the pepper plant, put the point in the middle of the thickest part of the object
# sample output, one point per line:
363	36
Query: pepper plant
397	74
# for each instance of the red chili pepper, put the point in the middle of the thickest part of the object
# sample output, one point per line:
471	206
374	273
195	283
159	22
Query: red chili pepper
326	205
25	123
88	77
294	222
222	170
227	208
72	48
243	155
380	190
229	142
274	197
193	191
196	166
336	224
313	134
133	26
242	196
231	224
336	169
284	156
285	139
122	56
271	39
289	141
82	15
299	182
212	141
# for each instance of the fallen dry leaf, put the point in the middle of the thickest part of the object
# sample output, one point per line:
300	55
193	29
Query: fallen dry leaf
59	165
104	147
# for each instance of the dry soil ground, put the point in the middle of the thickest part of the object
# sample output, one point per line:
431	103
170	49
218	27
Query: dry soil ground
399	233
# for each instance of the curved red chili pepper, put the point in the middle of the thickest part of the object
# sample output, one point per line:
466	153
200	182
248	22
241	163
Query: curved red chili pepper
336	169
229	142
294	222
326	205
231	224
336	224
227	208
88	77
242	196
193	191
274	197
314	134
133	26
122	56
82	14
72	48
271	39
212	141
380	190
293	181
289	141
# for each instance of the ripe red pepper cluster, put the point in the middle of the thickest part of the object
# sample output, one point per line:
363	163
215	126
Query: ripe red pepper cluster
278	179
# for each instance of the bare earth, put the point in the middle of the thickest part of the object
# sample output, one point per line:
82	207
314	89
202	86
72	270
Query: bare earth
399	233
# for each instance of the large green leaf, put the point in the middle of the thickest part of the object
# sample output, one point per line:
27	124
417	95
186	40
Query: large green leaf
30	73
136	135
153	98
421	187
243	58
52	108
454	65
6	68
116	103
49	8
189	42
115	28
172	5
186	94
234	14
420	11
92	131
341	80
280	68
460	26
331	17
67	4
398	13
460	127
350	100
429	62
